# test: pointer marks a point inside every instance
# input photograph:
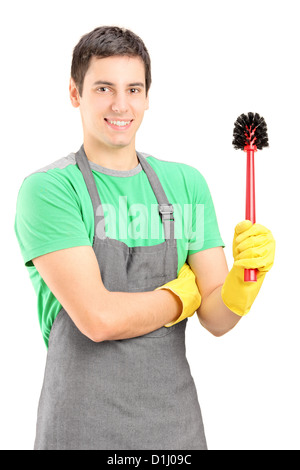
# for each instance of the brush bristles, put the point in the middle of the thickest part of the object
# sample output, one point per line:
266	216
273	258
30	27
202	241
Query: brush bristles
250	129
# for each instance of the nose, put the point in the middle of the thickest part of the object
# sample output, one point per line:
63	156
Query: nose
120	104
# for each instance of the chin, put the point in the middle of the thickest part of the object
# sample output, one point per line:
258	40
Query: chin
120	144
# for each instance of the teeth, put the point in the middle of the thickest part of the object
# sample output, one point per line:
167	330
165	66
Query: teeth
119	123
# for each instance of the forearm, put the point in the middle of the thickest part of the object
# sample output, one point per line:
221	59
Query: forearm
127	315
215	316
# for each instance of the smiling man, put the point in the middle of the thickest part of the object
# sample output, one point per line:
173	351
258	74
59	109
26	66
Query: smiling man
112	111
113	310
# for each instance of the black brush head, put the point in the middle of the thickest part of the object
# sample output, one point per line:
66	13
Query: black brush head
250	129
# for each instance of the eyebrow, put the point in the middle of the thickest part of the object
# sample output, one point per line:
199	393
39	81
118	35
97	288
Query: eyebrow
100	82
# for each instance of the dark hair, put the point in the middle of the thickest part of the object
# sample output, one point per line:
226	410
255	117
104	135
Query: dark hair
107	41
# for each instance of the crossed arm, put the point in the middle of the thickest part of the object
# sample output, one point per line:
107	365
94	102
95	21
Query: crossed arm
74	277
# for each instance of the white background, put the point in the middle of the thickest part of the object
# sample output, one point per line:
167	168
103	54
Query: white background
211	61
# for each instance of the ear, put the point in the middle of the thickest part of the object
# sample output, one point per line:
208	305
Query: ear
74	94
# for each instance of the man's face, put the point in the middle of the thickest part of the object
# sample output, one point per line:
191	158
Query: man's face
113	100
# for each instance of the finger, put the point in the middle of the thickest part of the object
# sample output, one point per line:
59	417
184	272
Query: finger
242	226
251	259
186	272
252	242
249	263
250	253
255	263
255	229
183	269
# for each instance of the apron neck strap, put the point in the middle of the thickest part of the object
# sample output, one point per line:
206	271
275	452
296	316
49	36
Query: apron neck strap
165	209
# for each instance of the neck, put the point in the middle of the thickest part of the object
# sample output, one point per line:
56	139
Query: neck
121	159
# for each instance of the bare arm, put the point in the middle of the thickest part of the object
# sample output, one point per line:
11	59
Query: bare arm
210	268
74	277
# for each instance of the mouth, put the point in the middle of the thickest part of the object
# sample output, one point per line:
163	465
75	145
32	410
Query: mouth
119	125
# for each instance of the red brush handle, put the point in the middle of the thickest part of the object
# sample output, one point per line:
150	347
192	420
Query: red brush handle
250	274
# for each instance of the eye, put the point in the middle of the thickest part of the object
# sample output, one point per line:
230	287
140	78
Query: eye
134	90
102	89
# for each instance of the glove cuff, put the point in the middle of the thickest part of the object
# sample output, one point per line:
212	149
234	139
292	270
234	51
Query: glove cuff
186	299
239	295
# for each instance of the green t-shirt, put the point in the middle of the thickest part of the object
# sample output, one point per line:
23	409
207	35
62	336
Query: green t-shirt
54	211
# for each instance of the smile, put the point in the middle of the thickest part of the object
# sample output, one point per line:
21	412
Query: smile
120	125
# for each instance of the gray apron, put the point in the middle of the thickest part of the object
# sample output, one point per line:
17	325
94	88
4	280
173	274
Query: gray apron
135	393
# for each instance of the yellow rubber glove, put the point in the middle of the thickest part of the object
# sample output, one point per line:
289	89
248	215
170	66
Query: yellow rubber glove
253	248
186	289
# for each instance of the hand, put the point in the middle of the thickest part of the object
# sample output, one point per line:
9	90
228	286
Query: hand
253	248
186	289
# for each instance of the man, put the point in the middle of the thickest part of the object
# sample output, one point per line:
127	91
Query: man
113	305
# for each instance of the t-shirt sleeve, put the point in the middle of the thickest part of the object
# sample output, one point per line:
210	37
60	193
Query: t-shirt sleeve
48	217
205	230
